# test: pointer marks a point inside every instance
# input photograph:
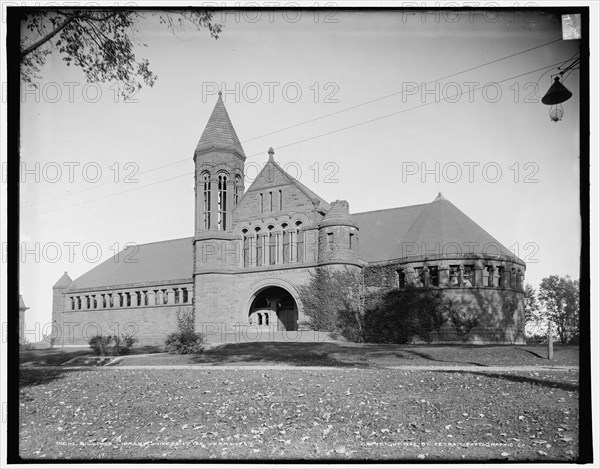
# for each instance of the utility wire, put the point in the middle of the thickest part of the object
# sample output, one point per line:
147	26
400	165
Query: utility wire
315	119
314	137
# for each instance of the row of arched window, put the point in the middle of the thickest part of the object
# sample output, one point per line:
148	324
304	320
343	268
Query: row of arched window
131	298
223	184
275	245
461	276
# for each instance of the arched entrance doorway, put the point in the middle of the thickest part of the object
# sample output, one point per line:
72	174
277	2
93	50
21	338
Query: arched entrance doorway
274	308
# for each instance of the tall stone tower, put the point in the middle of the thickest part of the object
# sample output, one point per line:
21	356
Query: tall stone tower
219	186
219	160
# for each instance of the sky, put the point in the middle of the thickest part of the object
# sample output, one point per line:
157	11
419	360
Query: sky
338	97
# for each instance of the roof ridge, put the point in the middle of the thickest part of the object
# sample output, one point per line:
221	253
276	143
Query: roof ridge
165	241
386	209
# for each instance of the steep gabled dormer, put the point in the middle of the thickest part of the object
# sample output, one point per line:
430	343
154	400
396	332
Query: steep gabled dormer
274	193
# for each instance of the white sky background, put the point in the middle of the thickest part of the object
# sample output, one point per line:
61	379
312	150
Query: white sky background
363	56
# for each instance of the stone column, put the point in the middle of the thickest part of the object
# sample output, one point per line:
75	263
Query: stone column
151	298
160	296
443	274
485	277
116	300
461	275
134	298
495	276
409	275
478	274
513	278
426	277
170	296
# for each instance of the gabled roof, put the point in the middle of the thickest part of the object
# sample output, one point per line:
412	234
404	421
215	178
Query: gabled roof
219	133
273	175
145	263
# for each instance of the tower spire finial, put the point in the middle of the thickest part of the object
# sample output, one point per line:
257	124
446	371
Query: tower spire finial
220	94
271	153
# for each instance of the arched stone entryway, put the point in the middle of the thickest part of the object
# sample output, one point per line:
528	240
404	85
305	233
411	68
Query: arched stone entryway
274	308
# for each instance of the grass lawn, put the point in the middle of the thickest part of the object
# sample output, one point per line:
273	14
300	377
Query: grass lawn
350	354
58	356
343	413
331	354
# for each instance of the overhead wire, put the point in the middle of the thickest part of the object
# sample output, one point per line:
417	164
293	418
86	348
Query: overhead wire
96	186
310	138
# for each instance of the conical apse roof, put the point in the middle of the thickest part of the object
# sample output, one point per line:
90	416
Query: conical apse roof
442	228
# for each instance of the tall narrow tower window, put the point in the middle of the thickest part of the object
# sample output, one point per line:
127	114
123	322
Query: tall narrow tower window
299	242
206	206
286	244
246	248
261	203
222	202
237	189
272	246
280	200
259	247
270	201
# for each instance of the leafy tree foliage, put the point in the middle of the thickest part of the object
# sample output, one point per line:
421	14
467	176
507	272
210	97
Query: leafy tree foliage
559	296
331	302
535	321
463	319
400	315
186	340
100	42
112	344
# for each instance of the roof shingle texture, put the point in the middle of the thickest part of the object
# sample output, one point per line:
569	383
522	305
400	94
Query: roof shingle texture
145	263
219	133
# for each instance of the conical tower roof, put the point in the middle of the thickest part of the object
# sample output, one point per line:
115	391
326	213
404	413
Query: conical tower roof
63	282
443	229
219	133
22	306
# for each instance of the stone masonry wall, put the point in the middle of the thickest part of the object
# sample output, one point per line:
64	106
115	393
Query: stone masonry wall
150	325
500	311
222	301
